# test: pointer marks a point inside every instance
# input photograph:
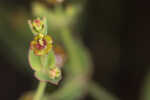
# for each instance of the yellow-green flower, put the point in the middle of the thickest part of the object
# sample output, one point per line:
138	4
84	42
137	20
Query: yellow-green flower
37	25
54	72
41	44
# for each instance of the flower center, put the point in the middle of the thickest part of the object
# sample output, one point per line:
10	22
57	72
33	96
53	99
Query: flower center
41	44
38	22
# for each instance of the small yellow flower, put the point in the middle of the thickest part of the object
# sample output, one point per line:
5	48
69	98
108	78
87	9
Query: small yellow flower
37	25
41	44
54	73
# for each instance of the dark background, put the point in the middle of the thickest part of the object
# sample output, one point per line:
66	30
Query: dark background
117	34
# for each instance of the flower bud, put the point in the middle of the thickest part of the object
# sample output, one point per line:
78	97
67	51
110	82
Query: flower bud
37	25
54	73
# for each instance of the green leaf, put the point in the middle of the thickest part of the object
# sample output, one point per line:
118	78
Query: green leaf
34	61
36	64
50	60
43	76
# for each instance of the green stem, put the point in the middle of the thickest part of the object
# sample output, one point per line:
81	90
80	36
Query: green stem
42	85
40	91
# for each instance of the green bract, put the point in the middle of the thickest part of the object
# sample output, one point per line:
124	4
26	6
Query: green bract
44	67
34	61
41	56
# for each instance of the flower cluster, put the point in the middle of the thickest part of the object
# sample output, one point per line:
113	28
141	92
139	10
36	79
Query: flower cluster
42	43
41	46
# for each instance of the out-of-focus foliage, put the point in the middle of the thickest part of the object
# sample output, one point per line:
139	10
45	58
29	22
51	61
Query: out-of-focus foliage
61	20
15	36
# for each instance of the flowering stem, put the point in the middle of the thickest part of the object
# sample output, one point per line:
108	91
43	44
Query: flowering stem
42	85
40	91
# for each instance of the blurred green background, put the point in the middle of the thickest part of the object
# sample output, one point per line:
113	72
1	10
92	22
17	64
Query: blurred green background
116	32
